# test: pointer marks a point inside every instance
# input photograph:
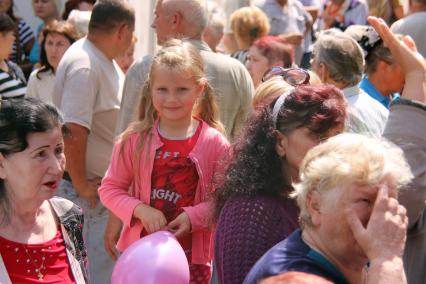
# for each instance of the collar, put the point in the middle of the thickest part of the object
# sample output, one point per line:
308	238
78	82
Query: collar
199	44
351	91
327	265
369	88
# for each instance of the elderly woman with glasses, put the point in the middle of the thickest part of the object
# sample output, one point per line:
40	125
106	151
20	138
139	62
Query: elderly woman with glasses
253	209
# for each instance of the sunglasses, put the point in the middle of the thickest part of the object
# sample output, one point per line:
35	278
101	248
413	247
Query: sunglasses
293	76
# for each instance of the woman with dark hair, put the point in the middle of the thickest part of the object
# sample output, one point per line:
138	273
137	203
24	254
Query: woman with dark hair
252	205
81	5
56	38
40	235
24	38
266	52
12	80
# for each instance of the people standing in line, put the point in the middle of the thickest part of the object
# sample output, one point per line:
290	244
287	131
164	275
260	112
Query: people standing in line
169	157
41	236
48	11
87	90
24	38
57	37
12	80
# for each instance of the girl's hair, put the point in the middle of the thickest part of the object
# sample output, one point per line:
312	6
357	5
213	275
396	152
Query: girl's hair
255	168
6	23
183	57
18	118
273	48
60	27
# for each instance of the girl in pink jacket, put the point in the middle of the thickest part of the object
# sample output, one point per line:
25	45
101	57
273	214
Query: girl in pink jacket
168	159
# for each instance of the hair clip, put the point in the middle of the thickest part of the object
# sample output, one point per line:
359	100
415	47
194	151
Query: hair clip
277	106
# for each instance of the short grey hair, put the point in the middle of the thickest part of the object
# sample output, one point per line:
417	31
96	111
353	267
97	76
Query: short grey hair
341	55
193	11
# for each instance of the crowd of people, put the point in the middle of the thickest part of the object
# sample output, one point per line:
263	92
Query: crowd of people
280	141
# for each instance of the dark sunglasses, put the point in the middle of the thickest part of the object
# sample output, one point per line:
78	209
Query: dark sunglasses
293	76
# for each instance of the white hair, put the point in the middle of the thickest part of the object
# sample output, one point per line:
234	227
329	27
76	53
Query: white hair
193	11
349	158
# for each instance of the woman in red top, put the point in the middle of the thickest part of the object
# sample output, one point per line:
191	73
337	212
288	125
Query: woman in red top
40	236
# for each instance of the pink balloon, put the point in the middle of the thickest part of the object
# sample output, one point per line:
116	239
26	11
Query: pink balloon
155	259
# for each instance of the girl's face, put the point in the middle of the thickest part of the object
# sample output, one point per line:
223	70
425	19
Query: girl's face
55	46
45	9
5	5
256	64
174	94
6	44
33	175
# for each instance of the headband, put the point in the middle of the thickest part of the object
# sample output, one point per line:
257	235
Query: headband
277	106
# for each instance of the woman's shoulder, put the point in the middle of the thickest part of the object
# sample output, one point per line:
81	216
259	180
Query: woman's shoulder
65	208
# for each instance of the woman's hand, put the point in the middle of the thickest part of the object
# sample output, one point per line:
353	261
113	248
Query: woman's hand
411	62
111	235
181	226
384	237
152	219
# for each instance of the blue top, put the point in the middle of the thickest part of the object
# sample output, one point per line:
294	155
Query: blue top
35	51
293	254
369	88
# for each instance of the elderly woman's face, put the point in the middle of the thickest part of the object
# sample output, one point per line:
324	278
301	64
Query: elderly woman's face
33	175
331	222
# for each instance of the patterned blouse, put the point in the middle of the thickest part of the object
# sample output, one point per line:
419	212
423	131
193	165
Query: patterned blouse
71	220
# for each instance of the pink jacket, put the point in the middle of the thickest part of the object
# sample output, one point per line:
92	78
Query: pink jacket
127	171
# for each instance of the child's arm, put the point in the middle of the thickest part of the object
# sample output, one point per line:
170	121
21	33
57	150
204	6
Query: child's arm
114	190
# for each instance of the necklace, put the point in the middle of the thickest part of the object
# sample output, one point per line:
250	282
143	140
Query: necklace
39	269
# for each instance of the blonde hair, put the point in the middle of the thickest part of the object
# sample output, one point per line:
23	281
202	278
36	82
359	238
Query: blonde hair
184	58
349	158
269	89
249	24
277	85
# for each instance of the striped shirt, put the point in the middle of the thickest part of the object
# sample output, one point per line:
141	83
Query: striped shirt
25	35
12	83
